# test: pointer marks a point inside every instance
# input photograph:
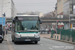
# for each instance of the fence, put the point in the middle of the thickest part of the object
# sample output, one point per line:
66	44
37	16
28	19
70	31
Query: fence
68	35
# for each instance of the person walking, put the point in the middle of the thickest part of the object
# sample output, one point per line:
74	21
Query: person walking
6	28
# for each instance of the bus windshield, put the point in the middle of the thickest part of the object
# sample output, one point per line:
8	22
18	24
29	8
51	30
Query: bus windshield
27	25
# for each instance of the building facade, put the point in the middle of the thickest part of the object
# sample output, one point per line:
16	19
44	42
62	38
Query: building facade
0	8
69	12
60	4
7	8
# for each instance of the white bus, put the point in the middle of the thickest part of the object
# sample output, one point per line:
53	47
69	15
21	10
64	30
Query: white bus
26	28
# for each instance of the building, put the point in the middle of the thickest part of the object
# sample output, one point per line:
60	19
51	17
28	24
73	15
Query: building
8	9
0	8
41	15
60	4
69	12
60	13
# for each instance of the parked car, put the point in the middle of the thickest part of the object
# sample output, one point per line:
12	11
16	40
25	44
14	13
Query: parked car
42	31
1	34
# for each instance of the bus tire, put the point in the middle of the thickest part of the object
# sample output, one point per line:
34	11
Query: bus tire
36	42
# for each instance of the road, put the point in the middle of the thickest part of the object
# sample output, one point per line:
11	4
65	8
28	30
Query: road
44	44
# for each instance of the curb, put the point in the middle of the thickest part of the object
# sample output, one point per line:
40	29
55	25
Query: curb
61	40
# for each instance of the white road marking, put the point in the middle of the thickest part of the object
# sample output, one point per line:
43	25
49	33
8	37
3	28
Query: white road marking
50	48
41	44
10	47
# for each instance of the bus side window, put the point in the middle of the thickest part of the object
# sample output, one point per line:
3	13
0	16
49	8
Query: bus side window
13	27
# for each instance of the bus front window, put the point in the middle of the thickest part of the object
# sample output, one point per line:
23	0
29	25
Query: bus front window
27	25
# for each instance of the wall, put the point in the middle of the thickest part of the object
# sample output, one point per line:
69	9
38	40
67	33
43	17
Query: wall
60	6
0	8
74	6
66	26
66	9
8	8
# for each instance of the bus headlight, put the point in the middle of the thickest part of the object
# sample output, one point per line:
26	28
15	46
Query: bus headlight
17	36
37	35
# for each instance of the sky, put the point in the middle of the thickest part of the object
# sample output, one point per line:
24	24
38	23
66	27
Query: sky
43	6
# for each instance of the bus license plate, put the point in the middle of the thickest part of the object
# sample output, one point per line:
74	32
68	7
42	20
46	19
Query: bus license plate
27	40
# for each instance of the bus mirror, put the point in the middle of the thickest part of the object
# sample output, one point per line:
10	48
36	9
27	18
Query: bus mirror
13	21
40	22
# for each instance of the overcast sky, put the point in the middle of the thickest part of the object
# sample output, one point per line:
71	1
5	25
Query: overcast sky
35	5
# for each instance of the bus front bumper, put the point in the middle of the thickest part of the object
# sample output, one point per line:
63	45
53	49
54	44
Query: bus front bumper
27	39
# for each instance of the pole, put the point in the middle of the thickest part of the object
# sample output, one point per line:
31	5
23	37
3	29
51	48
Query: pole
69	17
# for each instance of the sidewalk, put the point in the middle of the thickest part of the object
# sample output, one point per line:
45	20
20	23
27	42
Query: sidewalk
8	32
48	36
45	35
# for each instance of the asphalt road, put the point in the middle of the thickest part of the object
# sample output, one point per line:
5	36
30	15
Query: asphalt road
44	44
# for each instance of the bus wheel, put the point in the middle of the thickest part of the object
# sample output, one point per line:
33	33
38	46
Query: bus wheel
36	42
0	41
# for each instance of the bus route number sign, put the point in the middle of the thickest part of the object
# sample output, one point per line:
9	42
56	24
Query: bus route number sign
20	18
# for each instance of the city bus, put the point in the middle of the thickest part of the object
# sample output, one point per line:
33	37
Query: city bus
26	28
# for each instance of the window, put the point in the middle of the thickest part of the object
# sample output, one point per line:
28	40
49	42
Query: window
27	25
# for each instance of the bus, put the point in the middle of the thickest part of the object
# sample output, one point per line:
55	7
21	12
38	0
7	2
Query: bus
26	28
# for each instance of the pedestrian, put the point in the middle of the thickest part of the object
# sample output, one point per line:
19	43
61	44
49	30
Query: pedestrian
6	28
6	32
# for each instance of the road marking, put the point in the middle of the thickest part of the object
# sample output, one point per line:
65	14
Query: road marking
9	45
41	44
50	48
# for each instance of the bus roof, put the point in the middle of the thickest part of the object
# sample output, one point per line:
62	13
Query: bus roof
26	15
